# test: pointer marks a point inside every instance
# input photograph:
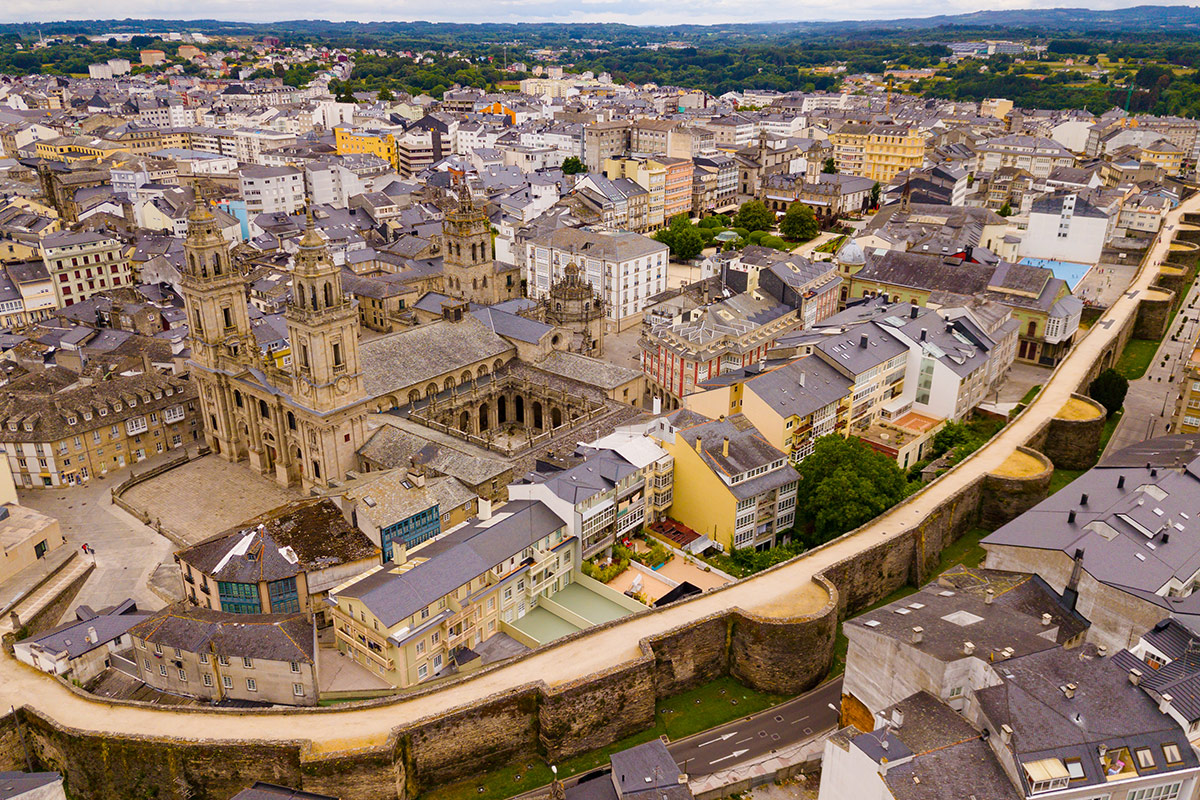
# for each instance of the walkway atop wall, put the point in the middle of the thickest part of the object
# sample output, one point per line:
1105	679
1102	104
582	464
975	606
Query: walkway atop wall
782	592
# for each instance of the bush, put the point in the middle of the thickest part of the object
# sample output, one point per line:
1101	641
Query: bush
756	236
658	554
775	242
608	573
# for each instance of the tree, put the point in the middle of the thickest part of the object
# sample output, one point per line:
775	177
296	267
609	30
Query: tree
754	216
800	223
573	165
1005	210
844	484
682	237
385	94
830	167
876	190
956	436
1109	390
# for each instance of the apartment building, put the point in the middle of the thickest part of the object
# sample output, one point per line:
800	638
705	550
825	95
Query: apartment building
84	263
651	175
714	184
876	363
625	268
197	652
420	147
59	430
731	485
281	562
410	620
1187	412
378	143
733	132
877	152
605	140
677	186
1065	227
272	190
1037	155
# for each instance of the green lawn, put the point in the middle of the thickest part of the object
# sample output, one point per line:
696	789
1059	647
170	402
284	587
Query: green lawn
1032	393
708	706
1135	358
1062	477
1110	425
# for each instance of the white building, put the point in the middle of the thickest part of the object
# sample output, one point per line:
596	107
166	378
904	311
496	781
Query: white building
1065	227
269	190
627	268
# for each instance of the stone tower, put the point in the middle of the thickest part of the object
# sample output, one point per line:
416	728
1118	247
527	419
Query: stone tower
573	304
322	330
221	339
467	264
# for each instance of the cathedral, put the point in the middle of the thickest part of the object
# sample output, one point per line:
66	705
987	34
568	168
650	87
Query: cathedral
302	426
468	270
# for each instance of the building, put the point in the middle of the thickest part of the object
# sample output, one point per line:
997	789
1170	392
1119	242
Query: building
877	152
59	431
282	562
410	621
81	649
402	508
258	659
1065	227
731	485
380	144
651	175
272	190
25	535
1187	410
469	268
605	140
1037	155
84	263
1118	539
32	786
625	268
645	772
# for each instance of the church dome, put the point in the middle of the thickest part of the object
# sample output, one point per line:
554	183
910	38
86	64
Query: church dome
851	254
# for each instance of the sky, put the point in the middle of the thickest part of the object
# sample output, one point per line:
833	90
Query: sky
633	12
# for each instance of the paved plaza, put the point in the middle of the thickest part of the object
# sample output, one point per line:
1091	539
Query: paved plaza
206	496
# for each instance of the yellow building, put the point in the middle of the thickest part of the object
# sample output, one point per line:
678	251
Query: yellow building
878	152
410	619
651	175
76	148
791	406
379	144
1187	413
731	484
1165	155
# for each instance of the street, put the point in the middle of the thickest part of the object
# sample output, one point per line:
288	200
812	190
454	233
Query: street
759	734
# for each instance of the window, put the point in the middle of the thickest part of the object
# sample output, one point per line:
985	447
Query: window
1164	791
247	662
183	676
239	598
298	689
283	595
1171	753
1145	757
296	666
251	685
434	637
227	681
420	647
146	661
208	679
223	661
1074	769
437	661
422	671
204	658
162	670
158	648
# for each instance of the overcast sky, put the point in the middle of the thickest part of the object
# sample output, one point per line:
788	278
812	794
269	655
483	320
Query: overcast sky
636	12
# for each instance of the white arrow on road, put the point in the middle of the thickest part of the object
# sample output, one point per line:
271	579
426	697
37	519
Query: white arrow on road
720	738
734	754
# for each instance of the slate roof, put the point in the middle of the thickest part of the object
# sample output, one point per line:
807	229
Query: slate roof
393	447
20	784
800	387
588	370
300	537
71	637
410	357
273	637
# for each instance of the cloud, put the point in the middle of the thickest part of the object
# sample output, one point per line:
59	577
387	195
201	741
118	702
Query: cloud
634	12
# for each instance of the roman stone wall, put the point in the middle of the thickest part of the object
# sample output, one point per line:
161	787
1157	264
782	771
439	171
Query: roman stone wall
690	656
1075	443
1006	497
1153	314
784	656
597	711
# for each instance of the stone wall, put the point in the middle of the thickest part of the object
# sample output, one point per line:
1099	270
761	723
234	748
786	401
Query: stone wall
50	614
1153	314
1004	497
597	711
12	756
784	656
1075	443
690	656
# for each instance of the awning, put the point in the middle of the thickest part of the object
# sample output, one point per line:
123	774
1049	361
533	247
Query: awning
1046	769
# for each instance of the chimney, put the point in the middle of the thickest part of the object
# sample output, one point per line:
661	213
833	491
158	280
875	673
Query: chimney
989	596
912	312
1102	650
399	552
897	718
1135	676
1164	704
1006	733
800	381
725	447
968	648
1121	482
1083	499
1046	619
864	340
1069	690
92	634
1166	537
1154	473
924	333
485	508
699	449
917	634
1071	517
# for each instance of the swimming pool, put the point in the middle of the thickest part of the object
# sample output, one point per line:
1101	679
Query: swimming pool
1069	271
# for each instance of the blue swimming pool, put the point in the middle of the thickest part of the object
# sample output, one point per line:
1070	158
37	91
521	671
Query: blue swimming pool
1069	271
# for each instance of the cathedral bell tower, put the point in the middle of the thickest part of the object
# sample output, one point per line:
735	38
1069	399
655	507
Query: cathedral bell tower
467	264
322	329
214	295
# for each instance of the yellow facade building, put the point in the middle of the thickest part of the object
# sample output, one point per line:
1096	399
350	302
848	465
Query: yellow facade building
380	144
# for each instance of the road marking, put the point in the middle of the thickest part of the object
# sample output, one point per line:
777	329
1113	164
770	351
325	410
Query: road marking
747	739
793	722
734	754
720	738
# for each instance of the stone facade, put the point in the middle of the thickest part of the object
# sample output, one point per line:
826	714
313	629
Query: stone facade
1004	497
1075	443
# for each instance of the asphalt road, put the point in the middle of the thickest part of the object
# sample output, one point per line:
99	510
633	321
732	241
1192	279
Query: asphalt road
758	735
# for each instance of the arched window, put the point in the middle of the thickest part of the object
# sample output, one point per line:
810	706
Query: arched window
473	252
328	295
449	384
263	411
474	283
216	264
1032	330
237	399
485	281
291	420
313	296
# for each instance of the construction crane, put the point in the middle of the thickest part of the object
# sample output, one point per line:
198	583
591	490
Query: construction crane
887	108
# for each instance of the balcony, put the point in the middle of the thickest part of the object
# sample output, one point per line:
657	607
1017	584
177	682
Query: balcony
345	636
